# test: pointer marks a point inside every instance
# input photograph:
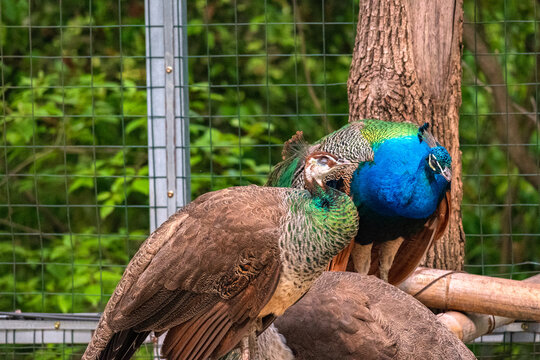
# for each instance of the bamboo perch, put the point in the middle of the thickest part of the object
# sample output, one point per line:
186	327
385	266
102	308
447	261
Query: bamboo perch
474	293
468	327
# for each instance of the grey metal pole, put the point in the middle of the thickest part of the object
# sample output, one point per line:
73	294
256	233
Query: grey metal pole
168	107
183	173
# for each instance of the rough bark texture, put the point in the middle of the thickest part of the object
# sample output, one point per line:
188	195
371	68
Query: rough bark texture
407	67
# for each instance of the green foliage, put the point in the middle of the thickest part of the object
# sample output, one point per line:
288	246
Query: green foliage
229	123
75	143
74	130
500	206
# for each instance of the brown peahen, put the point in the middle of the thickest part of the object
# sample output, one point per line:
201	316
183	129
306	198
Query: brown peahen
400	188
226	265
350	316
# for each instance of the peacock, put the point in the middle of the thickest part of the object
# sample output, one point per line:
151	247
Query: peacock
226	265
400	188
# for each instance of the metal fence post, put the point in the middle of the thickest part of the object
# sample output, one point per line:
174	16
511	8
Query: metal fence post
168	107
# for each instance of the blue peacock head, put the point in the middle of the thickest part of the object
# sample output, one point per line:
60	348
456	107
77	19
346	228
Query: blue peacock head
438	160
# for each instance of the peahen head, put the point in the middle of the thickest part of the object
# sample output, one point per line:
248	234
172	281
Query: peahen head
440	162
321	167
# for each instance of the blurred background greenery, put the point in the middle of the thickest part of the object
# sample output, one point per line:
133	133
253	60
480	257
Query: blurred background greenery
74	161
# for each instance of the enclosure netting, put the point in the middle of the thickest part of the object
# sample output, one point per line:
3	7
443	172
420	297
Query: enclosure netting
74	174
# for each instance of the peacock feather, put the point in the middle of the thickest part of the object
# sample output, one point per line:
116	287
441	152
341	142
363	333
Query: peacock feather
402	176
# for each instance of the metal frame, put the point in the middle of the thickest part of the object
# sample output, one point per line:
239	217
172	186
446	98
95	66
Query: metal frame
517	332
168	108
62	330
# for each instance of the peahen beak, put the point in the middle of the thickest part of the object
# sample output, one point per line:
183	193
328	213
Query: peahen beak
447	173
343	162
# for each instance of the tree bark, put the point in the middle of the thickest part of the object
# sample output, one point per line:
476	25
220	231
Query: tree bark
406	66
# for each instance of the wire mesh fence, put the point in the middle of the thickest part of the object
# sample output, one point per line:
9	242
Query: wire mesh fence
499	138
515	341
74	179
86	133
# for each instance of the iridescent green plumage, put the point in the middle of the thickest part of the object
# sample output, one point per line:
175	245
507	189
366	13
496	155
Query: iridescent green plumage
329	218
291	168
356	140
285	178
377	131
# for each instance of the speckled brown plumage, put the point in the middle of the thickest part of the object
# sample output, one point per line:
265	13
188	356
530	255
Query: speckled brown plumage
170	276
350	316
220	264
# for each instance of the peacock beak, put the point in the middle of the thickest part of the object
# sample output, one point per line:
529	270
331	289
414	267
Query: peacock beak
447	173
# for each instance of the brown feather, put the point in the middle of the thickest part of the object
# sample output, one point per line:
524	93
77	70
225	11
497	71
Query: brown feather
209	274
204	257
248	307
216	338
182	340
291	146
219	328
348	316
123	344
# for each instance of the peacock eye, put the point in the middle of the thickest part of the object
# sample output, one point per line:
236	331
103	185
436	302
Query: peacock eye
432	161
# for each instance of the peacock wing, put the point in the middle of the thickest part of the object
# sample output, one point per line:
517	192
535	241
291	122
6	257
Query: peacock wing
413	248
218	330
210	268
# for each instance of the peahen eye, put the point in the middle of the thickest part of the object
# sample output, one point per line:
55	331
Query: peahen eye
322	160
432	161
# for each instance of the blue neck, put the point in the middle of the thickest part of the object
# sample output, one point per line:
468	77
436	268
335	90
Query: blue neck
398	182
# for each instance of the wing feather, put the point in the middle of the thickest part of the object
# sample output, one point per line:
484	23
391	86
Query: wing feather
196	335
205	255
215	331
217	335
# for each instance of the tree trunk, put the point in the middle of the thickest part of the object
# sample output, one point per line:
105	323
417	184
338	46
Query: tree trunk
407	67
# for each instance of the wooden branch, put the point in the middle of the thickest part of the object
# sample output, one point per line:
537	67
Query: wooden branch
450	290
468	327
